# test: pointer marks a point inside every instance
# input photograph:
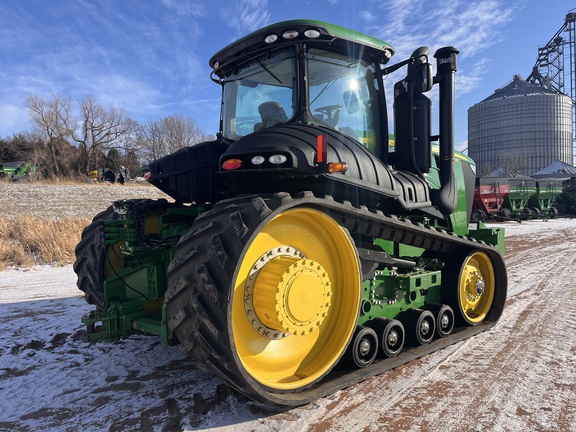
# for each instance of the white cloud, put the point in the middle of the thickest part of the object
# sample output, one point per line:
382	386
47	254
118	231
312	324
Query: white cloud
469	78
368	16
185	9
246	16
473	27
140	56
12	118
123	91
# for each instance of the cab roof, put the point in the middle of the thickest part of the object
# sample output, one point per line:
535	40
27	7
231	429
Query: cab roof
312	32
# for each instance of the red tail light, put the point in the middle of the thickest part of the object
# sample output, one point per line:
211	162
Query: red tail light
231	164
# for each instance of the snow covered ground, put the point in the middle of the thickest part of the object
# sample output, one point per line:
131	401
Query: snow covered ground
519	376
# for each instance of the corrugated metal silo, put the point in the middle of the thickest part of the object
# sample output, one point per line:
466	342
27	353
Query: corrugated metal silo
522	127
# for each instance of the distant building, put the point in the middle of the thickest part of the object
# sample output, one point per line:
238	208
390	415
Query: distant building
521	127
556	169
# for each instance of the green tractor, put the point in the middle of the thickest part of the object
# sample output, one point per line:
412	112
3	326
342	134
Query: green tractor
303	253
17	171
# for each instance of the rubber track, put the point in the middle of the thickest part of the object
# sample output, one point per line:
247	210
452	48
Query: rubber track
91	254
200	276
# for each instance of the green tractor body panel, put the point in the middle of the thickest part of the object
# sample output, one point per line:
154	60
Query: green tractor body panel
304	146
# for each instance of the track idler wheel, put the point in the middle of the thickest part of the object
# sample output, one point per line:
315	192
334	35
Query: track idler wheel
444	316
420	326
391	335
476	288
363	347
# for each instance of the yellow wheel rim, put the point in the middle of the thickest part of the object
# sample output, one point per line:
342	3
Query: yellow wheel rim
296	299
477	286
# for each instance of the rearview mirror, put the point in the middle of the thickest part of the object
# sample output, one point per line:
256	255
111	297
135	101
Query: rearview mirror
424	79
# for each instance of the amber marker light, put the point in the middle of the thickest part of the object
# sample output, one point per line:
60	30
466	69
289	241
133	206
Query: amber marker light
231	164
335	167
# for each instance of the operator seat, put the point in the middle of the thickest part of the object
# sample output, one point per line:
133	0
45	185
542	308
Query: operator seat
272	113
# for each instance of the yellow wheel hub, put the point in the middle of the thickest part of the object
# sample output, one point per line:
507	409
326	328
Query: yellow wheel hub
296	299
477	286
292	295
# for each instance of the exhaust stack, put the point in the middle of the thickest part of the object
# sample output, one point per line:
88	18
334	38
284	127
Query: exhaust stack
446	198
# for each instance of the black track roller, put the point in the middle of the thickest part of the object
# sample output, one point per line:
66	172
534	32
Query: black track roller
444	318
420	326
391	335
363	347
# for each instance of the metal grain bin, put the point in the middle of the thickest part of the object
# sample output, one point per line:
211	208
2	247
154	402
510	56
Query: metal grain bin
522	127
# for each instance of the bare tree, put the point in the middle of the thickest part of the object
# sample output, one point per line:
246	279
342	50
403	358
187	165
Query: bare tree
100	130
50	119
131	146
514	164
170	134
153	145
91	131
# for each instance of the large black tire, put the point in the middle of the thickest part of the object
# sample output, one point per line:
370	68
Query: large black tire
91	259
197	307
201	297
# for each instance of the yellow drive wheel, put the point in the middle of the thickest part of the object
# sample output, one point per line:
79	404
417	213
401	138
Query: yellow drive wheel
476	287
296	299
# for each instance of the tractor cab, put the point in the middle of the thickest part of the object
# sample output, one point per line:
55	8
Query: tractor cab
304	108
304	72
333	91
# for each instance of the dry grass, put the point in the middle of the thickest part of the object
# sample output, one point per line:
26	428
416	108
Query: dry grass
41	222
26	241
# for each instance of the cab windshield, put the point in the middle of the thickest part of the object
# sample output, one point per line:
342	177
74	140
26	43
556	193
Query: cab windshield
343	94
259	94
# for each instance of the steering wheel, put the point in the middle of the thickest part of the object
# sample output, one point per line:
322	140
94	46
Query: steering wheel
332	113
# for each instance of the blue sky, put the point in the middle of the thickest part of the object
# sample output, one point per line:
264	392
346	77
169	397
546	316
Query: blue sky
151	56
